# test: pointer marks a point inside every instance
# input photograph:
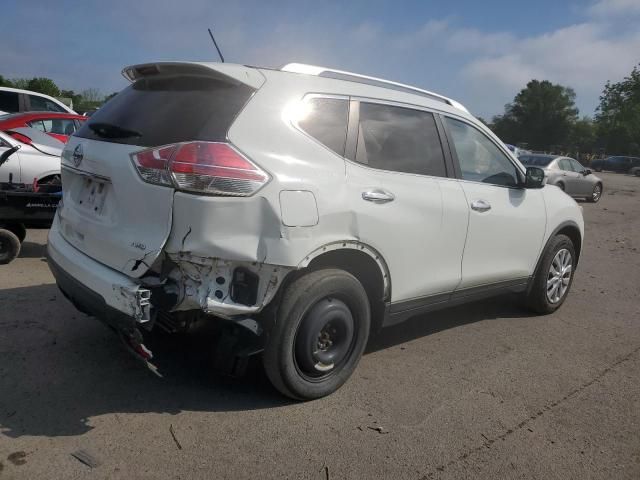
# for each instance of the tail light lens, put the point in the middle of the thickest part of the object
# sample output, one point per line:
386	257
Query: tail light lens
203	167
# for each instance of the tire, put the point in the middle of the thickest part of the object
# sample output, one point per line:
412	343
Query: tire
320	332
598	169
18	229
596	195
560	185
538	298
9	246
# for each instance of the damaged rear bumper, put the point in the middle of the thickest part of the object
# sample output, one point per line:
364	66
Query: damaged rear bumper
94	288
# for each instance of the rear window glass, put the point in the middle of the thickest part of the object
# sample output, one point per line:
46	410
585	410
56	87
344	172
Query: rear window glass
327	122
163	110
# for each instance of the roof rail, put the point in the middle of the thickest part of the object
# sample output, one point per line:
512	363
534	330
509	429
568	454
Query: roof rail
378	82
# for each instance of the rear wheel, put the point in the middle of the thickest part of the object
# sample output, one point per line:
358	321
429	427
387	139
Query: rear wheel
319	335
553	277
560	185
9	246
596	193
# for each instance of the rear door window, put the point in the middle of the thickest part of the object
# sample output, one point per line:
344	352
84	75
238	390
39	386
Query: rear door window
162	110
326	121
9	102
399	139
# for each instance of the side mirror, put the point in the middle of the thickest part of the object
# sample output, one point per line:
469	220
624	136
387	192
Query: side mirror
534	178
7	153
586	172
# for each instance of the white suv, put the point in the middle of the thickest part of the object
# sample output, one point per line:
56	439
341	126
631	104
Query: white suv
301	209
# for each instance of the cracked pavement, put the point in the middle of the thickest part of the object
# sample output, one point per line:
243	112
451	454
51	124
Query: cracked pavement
485	390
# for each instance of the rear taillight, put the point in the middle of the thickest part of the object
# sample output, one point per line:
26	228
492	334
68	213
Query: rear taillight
204	167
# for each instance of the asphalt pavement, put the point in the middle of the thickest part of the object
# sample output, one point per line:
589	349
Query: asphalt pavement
485	390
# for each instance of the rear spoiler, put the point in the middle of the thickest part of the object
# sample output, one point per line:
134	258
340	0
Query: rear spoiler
223	71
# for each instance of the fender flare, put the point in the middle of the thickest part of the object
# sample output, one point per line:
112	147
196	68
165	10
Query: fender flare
567	223
358	246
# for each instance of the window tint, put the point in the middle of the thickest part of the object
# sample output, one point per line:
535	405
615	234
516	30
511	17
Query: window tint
41	104
9	102
399	139
480	159
162	110
327	122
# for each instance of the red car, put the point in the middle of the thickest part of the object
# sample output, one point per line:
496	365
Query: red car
58	125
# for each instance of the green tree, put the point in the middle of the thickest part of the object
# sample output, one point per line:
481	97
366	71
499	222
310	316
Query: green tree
22	83
583	136
75	97
541	115
5	82
44	85
618	115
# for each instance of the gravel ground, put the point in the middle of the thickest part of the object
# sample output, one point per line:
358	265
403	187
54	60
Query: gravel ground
480	391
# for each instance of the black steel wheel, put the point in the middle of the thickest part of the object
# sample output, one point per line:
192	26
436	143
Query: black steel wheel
319	335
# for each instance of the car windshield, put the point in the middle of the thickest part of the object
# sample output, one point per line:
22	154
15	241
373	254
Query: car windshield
536	160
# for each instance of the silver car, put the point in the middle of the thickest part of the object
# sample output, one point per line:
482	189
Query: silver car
567	174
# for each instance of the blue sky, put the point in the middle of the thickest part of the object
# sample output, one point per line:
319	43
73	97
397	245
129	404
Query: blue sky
480	53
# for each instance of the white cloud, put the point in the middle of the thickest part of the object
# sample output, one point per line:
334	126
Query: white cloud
582	56
606	8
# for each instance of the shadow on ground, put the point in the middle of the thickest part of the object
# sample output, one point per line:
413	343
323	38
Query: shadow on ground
32	250
59	369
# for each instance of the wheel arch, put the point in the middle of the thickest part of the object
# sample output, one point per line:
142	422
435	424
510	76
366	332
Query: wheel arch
363	262
571	230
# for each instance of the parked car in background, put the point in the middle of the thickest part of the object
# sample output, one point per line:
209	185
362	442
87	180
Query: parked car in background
59	125
36	157
567	174
303	207
517	151
616	163
14	100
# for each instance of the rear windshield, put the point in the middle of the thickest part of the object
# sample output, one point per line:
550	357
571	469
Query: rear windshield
535	160
163	110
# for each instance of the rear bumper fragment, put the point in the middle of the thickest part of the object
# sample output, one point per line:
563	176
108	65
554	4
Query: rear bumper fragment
95	288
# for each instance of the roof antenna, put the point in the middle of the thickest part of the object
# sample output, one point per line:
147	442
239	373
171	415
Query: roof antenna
216	45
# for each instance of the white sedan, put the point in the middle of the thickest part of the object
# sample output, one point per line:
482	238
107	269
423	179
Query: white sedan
36	158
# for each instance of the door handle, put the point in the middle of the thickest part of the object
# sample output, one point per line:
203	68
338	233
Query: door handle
377	195
480	206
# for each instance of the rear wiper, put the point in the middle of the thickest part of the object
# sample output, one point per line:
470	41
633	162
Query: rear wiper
108	130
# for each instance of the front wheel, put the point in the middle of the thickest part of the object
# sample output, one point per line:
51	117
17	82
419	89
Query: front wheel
553	277
596	193
320	332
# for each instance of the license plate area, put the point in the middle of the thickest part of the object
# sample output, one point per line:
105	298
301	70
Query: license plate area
93	195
